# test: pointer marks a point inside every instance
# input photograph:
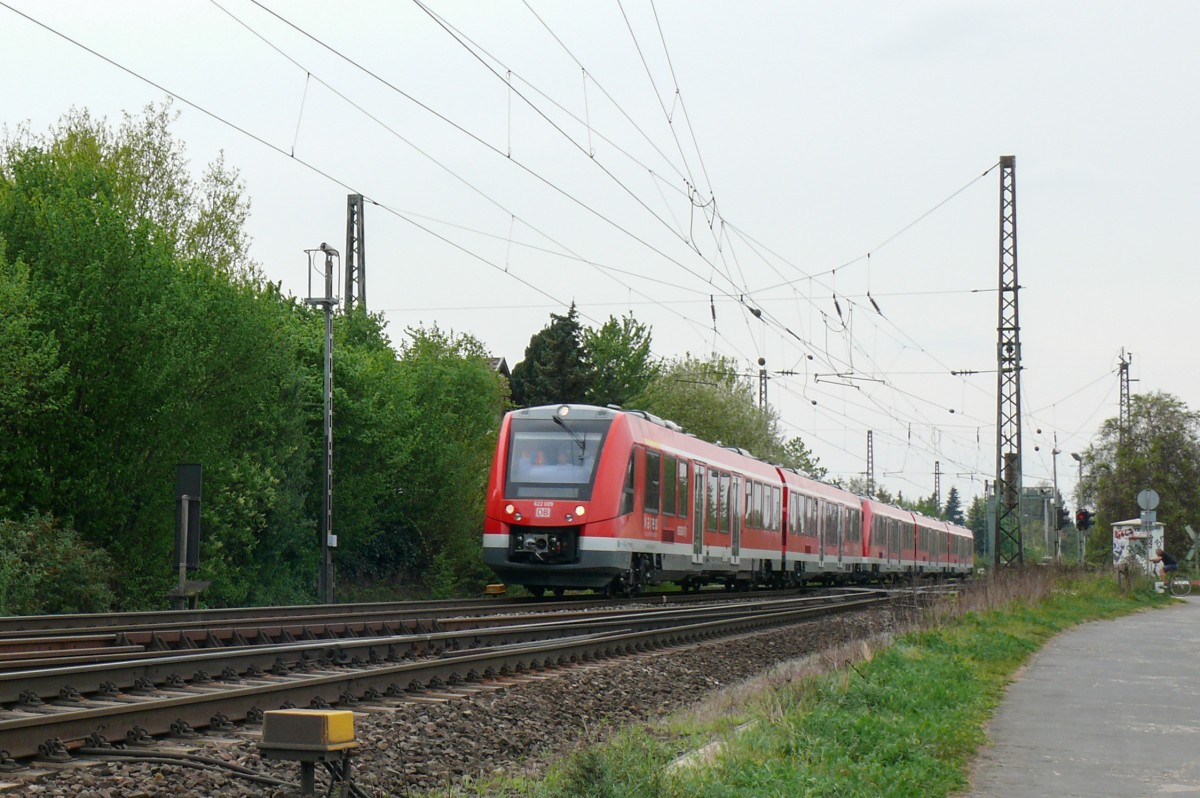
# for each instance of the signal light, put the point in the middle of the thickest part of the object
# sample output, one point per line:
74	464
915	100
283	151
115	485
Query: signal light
1063	518
1083	519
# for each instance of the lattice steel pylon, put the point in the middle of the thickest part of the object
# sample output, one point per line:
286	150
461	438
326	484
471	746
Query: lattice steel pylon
355	265
937	484
1123	414
1009	549
870	464
762	384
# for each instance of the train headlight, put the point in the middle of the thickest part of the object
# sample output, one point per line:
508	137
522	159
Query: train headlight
508	508
580	511
563	411
517	517
570	518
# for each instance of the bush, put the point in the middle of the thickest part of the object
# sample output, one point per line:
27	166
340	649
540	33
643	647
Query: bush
47	569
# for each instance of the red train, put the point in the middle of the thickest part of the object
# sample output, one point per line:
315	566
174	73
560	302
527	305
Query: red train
614	500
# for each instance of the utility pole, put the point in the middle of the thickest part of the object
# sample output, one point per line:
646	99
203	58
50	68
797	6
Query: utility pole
1079	502
762	384
1123	416
1054	453
327	302
1009	548
937	483
356	263
870	464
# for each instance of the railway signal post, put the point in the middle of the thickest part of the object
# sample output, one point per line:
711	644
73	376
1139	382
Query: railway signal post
327	302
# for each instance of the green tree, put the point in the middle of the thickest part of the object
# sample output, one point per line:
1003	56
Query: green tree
31	377
798	456
452	402
927	506
555	369
169	354
952	512
1161	450
622	365
977	522
709	399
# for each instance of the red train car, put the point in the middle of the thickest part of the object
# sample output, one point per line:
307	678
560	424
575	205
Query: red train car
591	497
825	529
889	540
607	499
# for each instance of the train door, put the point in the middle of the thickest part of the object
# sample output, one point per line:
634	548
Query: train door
734	510
698	472
841	518
652	496
821	526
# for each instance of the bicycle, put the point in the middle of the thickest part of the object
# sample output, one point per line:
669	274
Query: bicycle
1178	583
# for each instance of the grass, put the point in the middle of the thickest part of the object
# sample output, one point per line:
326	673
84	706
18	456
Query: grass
897	716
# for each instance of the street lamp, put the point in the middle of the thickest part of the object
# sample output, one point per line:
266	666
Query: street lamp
1079	499
1054	453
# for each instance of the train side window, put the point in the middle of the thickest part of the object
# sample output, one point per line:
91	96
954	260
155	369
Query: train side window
682	474
776	508
714	500
698	515
653	481
669	484
627	490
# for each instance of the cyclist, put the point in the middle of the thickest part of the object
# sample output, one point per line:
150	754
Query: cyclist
1169	563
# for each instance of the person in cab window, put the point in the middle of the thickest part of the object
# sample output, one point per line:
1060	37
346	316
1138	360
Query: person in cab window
524	461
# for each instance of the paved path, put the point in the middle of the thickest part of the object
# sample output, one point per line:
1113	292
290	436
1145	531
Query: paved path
1111	708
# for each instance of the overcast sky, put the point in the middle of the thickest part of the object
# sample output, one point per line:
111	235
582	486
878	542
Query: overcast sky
689	160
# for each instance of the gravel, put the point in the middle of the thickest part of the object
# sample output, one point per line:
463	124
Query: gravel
414	748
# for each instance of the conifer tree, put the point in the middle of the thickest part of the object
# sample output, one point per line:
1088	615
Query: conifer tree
555	369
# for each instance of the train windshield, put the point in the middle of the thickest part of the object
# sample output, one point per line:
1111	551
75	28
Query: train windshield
547	460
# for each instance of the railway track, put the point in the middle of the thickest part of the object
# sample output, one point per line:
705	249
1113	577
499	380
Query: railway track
132	696
46	641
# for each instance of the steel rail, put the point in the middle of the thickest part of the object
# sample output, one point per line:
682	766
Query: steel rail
143	670
207	704
16	651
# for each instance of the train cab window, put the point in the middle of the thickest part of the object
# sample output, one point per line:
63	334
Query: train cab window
549	461
669	484
682	478
627	489
653	481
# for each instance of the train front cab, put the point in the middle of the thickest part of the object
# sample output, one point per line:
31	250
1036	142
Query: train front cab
653	505
552	496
